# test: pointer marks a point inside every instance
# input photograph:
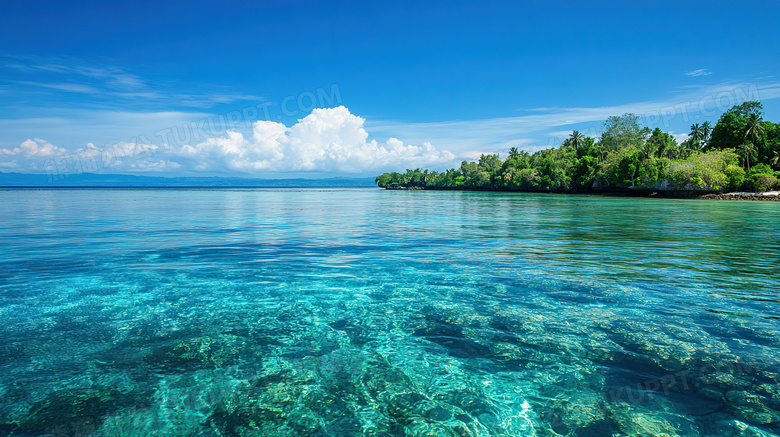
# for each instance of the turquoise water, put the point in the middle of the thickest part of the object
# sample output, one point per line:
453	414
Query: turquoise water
386	313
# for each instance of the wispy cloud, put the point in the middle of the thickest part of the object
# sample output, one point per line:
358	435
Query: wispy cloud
699	72
107	82
543	126
70	87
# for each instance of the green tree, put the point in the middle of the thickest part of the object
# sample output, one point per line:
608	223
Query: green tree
729	132
696	136
383	180
646	150
747	149
775	160
623	131
753	127
753	130
584	172
769	144
706	133
627	155
577	139
735	176
389	180
661	143
746	109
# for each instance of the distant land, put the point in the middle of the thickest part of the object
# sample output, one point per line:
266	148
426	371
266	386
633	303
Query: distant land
18	180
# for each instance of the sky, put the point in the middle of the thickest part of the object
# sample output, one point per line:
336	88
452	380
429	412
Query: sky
269	89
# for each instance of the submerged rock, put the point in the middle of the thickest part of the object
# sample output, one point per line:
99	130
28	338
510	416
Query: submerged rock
263	407
201	353
734	428
451	336
357	334
635	421
753	408
364	395
76	411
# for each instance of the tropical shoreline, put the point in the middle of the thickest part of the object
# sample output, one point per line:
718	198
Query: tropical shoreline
739	154
683	194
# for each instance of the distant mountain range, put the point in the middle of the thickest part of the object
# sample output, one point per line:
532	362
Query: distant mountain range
128	181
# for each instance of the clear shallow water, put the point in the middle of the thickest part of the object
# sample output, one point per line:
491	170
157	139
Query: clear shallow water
384	313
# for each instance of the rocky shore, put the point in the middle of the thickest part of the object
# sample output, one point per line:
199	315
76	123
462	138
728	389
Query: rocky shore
769	195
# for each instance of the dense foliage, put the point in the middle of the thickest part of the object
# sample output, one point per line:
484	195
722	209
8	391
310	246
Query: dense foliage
742	151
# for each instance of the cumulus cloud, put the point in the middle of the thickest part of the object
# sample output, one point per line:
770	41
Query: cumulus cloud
29	152
36	148
329	140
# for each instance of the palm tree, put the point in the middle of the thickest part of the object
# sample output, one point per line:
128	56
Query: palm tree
407	177
513	152
754	127
673	152
754	130
748	148
706	132
689	146
776	159
525	155
647	149
696	135
576	139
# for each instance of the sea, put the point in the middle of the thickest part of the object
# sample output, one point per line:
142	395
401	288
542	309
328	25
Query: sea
367	312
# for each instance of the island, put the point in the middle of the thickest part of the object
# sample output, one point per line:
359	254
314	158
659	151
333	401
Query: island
740	154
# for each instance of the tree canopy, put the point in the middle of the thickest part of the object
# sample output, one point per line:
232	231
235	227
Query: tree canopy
742	151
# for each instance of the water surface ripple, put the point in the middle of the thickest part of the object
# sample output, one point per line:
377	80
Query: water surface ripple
386	313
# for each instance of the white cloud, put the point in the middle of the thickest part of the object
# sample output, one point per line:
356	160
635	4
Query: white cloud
679	137
699	72
36	148
30	155
328	140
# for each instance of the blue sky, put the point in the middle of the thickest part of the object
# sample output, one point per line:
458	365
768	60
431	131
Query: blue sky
154	87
